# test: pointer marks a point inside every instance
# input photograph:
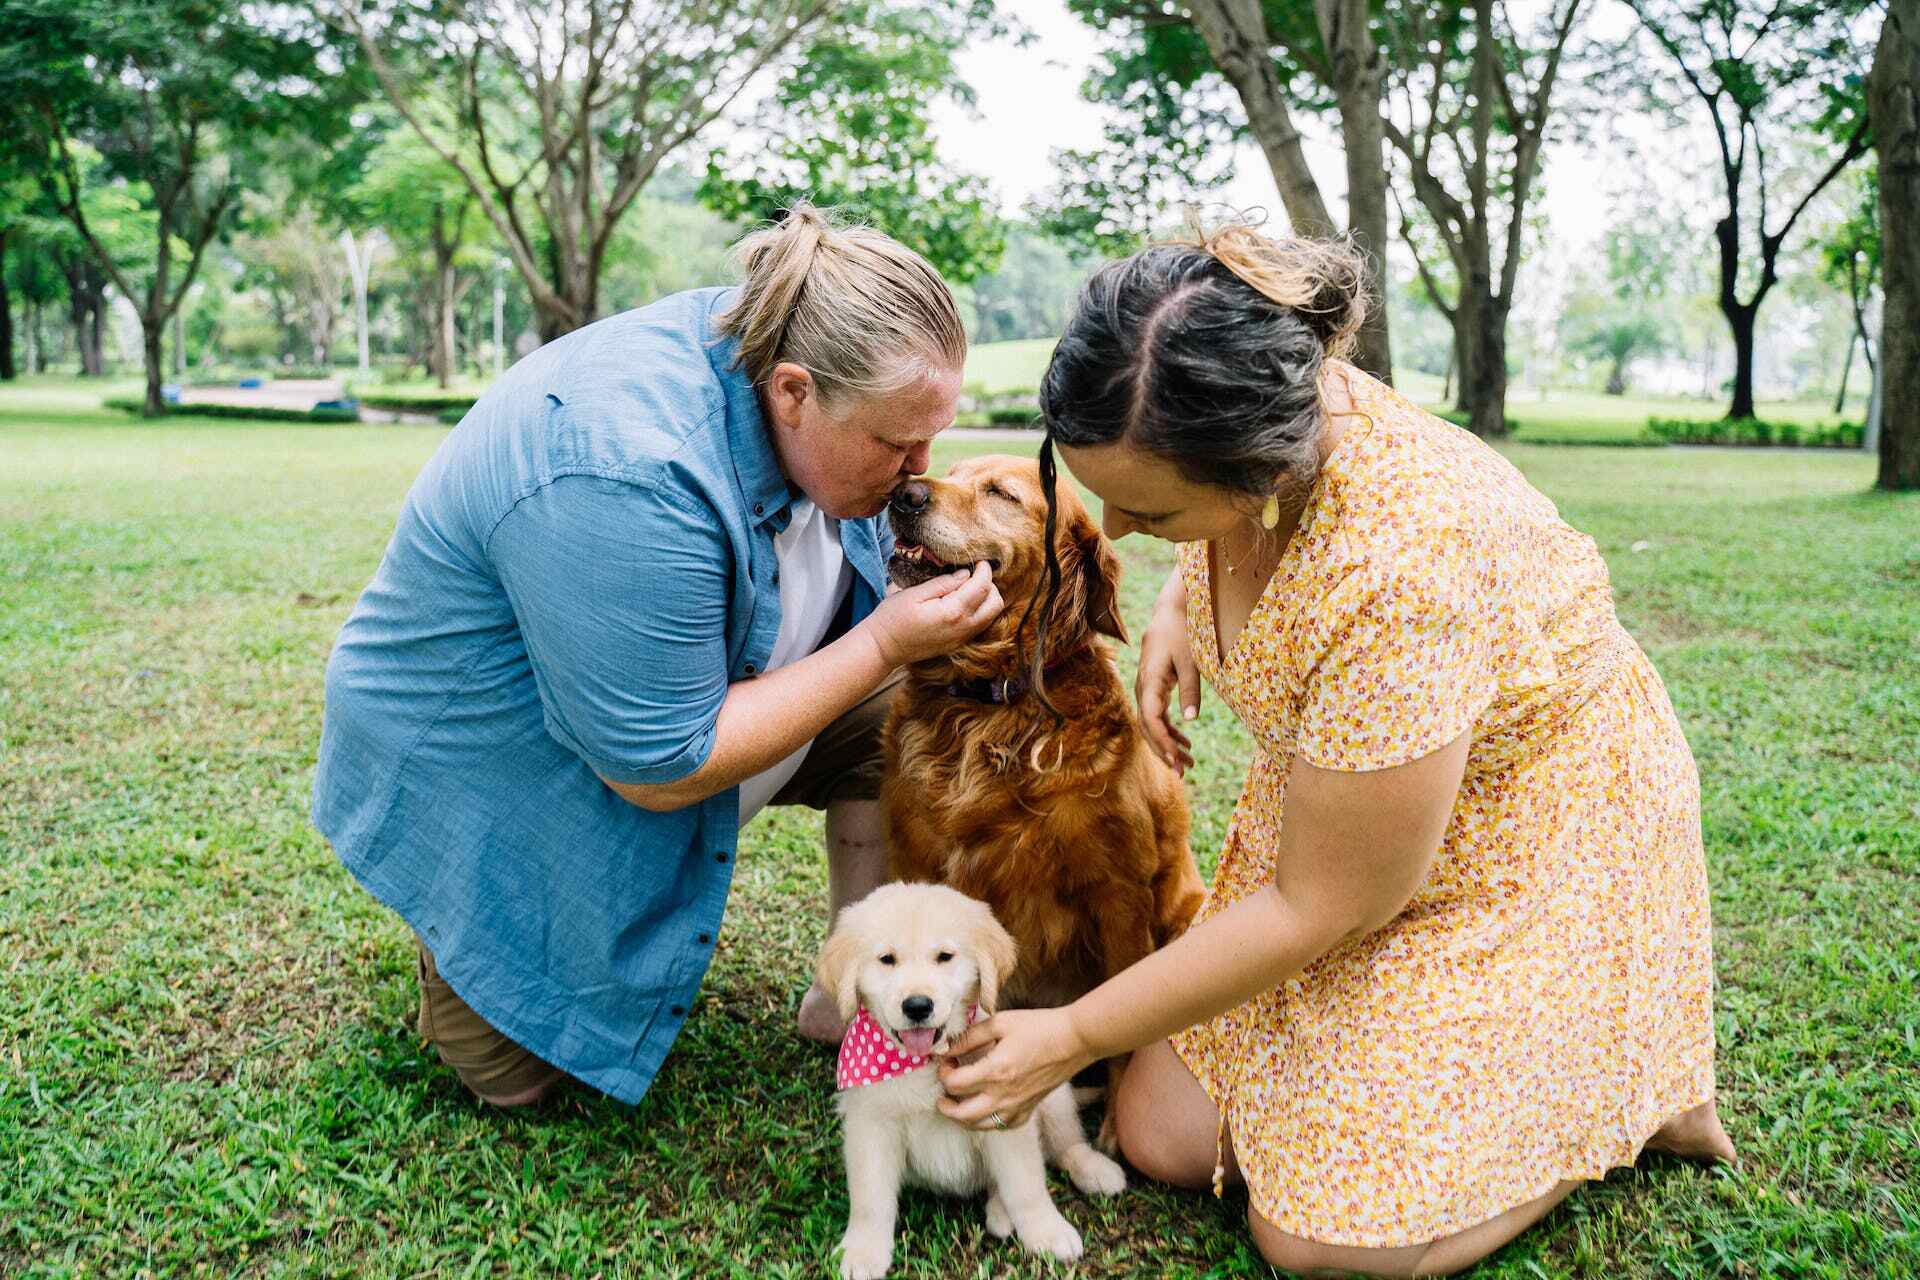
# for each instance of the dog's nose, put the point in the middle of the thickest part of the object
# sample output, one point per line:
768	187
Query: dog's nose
911	498
918	1008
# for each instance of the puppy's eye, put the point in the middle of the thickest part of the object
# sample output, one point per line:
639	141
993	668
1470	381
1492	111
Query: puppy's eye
887	958
943	957
995	491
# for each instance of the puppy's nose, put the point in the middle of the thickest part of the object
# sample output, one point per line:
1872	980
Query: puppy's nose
911	498
918	1008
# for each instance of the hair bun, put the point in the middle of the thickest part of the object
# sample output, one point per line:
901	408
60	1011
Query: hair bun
1325	281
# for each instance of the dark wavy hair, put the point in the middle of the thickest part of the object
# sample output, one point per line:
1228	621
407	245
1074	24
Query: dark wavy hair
1206	352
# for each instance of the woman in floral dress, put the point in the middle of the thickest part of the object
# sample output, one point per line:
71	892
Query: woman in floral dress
1456	958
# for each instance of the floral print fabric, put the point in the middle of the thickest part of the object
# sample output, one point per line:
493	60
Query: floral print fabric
1544	1002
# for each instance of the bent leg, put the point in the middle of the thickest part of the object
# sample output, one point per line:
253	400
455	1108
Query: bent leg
1166	1123
1437	1258
493	1067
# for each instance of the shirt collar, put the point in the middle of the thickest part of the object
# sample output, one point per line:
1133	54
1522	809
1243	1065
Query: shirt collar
756	467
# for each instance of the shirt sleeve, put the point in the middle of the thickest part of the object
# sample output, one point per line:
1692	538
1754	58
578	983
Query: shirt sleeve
621	593
1400	658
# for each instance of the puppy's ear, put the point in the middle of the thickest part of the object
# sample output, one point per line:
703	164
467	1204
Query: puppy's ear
838	970
1101	569
995	954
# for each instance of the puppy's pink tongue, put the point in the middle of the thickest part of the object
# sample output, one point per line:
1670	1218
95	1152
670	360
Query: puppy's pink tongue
919	1040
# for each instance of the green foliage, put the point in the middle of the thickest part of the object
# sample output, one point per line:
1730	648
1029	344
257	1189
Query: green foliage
848	127
1758	431
241	412
403	403
1030	293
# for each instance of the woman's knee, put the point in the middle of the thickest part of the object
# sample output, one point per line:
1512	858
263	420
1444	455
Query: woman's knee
1160	1132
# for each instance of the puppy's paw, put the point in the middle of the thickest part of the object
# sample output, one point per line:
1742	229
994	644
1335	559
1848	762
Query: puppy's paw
1108	1139
865	1255
999	1225
1093	1173
1053	1236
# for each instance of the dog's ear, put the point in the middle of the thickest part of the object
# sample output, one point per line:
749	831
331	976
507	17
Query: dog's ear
1101	569
838	969
995	954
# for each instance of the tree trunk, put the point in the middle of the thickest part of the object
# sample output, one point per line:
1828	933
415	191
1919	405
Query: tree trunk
1486	372
1893	101
96	331
1617	377
444	324
1358	70
7	369
1740	320
1846	372
152	330
1235	32
1453	358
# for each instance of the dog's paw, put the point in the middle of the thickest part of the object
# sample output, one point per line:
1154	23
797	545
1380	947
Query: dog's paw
1054	1236
865	1256
1108	1139
999	1225
1093	1173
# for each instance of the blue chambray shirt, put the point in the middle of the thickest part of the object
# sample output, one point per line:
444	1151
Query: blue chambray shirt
577	575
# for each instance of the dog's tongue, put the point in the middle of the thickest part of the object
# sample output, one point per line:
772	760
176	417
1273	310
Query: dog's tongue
919	1040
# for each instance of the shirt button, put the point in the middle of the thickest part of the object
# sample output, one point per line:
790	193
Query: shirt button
703	938
759	508
720	856
750	669
678	1011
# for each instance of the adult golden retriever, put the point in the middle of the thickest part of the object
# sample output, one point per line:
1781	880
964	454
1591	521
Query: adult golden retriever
1058	817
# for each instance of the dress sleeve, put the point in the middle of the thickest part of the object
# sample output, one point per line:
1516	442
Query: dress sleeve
1399	658
621	594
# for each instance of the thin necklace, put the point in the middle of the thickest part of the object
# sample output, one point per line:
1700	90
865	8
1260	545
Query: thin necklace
1258	542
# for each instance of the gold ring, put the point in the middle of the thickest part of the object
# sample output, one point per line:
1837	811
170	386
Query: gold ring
997	1120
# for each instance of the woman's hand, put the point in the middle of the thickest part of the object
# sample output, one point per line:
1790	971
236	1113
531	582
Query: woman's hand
1031	1052
1166	662
935	617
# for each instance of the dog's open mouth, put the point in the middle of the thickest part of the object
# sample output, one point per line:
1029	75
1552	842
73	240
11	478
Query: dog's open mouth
912	564
918	1041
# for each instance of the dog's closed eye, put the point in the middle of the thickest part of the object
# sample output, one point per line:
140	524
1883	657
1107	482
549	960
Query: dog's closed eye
995	491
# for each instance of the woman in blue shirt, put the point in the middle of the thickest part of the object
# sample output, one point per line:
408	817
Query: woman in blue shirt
631	587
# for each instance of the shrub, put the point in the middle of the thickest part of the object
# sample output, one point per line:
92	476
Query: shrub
241	412
1757	431
1022	416
437	403
451	416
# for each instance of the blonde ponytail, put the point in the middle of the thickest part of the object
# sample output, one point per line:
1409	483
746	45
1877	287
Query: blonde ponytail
1325	281
861	312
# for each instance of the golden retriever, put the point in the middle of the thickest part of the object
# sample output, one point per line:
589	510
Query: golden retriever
1066	825
908	964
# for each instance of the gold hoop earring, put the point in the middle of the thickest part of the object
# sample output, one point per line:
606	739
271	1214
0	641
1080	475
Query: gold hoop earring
1270	514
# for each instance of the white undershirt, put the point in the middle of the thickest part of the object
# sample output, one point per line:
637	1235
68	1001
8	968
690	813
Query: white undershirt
814	577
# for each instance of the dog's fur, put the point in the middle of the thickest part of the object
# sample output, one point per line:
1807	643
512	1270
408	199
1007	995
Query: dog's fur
923	940
1070	829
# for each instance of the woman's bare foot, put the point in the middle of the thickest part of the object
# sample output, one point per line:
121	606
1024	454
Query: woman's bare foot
1694	1135
820	1019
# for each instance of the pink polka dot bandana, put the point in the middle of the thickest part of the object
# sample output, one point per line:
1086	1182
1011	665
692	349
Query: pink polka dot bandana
869	1055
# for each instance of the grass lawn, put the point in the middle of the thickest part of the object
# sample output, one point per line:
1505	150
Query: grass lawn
207	1061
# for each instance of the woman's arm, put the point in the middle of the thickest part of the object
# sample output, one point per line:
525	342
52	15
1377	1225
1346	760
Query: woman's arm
766	719
1353	849
1166	663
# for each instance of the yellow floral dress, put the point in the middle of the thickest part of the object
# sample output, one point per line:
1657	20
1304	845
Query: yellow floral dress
1544	1002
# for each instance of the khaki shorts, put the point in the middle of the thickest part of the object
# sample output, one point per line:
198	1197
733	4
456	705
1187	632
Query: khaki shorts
844	763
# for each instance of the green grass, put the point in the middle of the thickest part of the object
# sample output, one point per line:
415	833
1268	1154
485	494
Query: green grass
207	1064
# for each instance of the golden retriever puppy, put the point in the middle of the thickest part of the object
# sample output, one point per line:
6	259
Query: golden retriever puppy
1067	825
910	966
